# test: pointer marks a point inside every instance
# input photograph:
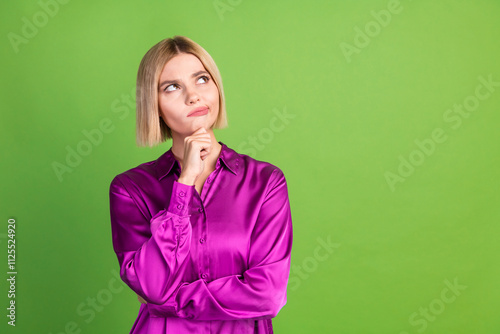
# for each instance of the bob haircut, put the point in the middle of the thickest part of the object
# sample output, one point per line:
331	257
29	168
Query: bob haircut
151	129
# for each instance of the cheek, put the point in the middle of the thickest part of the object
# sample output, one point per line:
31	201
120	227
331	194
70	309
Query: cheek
163	110
215	95
167	107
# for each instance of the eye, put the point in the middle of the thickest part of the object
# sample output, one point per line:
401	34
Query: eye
171	88
203	79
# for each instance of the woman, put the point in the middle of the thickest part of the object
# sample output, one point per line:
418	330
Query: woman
203	234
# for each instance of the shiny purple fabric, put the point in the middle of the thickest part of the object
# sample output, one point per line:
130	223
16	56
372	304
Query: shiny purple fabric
215	262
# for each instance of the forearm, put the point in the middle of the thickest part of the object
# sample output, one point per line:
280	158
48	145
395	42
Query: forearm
152	267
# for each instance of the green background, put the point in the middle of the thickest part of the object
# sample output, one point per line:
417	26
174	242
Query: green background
404	222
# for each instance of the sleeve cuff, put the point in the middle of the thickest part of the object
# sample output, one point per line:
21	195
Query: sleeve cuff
180	201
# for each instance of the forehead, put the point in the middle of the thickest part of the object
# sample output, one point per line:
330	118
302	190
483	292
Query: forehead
182	65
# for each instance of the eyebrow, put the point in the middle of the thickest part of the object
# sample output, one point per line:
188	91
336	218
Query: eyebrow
194	75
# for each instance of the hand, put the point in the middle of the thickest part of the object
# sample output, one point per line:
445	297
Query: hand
196	148
141	299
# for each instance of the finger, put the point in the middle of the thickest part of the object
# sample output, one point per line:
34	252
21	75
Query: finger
200	136
206	148
141	299
202	143
201	130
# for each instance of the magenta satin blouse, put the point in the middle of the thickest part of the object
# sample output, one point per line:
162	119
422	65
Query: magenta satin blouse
215	262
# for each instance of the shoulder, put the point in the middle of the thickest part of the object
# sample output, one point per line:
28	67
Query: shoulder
264	178
262	167
136	177
258	169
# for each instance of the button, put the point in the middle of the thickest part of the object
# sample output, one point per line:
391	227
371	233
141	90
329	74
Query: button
209	180
200	209
202	240
179	206
181	194
204	276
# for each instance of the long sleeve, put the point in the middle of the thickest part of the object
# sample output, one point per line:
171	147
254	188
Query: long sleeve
260	291
151	252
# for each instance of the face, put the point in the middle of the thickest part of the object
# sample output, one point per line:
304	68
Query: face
186	87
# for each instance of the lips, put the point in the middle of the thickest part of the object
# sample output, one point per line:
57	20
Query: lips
198	112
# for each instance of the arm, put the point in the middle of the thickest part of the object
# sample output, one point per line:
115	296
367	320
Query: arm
151	252
260	291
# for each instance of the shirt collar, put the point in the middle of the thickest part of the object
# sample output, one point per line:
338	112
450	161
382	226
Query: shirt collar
165	163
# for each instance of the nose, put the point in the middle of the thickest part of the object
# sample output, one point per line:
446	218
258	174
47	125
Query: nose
192	96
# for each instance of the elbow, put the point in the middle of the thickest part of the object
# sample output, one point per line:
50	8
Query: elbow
148	293
272	310
276	308
271	307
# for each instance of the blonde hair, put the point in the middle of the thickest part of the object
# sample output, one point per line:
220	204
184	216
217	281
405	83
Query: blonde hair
152	130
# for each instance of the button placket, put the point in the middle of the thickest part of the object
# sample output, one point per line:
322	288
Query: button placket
203	251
